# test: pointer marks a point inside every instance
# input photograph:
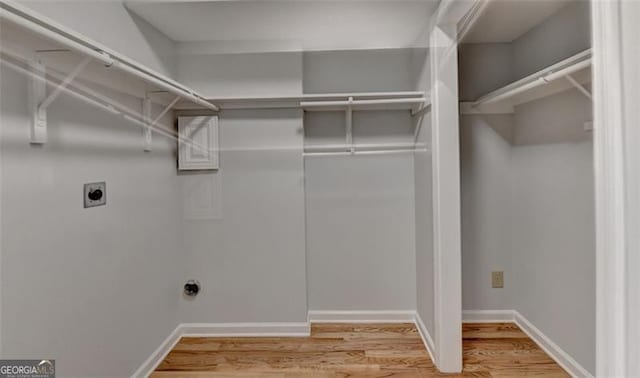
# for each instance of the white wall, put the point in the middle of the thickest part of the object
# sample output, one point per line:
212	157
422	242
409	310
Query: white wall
360	232
358	71
425	296
528	210
250	255
486	179
95	288
560	36
484	67
244	226
111	24
553	238
360	209
553	119
242	75
487	216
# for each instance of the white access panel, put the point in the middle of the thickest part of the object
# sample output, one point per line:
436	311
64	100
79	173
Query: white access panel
198	143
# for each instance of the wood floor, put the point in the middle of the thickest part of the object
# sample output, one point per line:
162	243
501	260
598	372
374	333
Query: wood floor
357	350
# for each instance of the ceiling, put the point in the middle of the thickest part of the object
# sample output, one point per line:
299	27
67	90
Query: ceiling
287	25
503	21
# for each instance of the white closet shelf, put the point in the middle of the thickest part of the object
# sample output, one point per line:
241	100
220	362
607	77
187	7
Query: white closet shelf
43	45
571	72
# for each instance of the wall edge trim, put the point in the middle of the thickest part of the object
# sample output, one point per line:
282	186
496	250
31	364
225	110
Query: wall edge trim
427	340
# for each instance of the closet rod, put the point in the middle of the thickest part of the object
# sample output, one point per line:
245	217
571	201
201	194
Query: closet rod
374	152
320	104
359	147
21	17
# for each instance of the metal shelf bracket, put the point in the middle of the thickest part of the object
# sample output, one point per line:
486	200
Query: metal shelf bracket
147	105
39	101
349	124
146	117
579	87
37	92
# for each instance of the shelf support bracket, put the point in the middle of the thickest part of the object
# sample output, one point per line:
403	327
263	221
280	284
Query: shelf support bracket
349	125
37	92
166	110
146	114
38	99
146	117
420	110
579	87
64	84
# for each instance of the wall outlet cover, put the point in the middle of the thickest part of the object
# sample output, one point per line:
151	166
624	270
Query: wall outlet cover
497	279
95	194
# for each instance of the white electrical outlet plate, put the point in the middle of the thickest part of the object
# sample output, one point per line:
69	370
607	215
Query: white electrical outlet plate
95	194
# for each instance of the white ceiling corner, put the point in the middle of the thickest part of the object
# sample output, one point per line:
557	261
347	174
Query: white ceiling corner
503	21
287	25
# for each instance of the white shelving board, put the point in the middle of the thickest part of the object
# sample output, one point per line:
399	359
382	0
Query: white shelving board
553	79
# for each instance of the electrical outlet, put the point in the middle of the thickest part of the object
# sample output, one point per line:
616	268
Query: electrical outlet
497	279
95	194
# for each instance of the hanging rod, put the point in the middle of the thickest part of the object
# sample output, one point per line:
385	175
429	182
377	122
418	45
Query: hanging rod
40	25
298	101
373	152
363	149
360	95
355	147
355	103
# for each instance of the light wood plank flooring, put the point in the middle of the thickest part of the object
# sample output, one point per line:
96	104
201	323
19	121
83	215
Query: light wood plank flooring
357	350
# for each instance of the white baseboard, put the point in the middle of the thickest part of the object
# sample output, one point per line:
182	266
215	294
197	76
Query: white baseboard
269	329
560	356
544	342
158	355
488	316
426	337
272	329
299	329
401	316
